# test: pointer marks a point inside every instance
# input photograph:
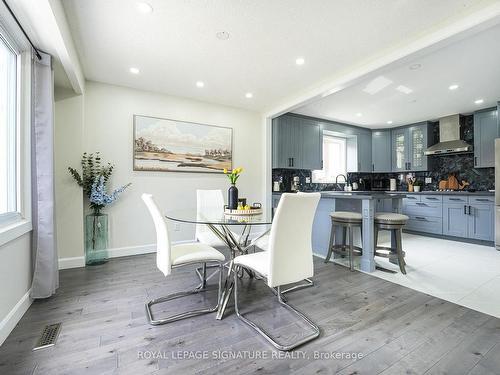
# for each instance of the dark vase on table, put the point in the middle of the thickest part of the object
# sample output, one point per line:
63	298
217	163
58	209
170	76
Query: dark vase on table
232	197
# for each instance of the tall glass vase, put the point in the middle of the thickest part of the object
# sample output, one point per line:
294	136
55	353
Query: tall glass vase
96	239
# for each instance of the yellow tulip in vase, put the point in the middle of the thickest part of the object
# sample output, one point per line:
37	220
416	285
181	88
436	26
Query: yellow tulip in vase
232	193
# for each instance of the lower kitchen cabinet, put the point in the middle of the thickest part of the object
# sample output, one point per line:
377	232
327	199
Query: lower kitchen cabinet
480	222
457	215
455	220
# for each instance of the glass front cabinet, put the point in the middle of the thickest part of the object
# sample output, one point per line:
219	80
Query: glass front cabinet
408	146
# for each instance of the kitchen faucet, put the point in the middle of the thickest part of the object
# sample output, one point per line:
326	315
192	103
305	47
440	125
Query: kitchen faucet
337	180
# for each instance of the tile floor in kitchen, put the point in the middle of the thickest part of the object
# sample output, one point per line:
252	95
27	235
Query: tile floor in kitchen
462	273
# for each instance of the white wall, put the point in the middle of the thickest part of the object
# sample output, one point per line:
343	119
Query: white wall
108	128
15	282
68	152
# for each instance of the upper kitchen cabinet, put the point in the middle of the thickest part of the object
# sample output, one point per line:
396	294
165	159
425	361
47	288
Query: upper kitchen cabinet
408	146
486	129
381	151
297	143
364	148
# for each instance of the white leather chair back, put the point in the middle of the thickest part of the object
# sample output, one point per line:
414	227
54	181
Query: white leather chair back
163	251
209	201
290	244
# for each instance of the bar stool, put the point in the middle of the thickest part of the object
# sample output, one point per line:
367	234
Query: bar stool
348	221
392	222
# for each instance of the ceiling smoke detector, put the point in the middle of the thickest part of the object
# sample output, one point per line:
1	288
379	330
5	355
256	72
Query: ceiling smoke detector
222	35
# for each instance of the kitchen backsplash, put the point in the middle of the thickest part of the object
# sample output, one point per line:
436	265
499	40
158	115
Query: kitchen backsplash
461	165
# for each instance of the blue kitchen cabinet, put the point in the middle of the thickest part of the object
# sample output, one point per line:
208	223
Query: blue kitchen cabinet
408	146
400	147
364	152
481	215
297	143
455	219
486	129
381	151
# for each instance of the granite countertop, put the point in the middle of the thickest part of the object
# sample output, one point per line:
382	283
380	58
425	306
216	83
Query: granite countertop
381	194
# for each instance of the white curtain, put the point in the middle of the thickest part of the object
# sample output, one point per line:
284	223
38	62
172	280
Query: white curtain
46	274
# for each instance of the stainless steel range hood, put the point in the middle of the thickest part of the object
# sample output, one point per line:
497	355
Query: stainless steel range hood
449	136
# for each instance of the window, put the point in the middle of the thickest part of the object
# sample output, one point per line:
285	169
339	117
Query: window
8	130
334	160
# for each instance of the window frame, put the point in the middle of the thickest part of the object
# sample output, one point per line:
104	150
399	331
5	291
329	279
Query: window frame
16	223
344	140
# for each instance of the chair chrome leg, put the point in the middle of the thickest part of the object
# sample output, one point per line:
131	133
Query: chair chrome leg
307	284
266	335
199	271
186	314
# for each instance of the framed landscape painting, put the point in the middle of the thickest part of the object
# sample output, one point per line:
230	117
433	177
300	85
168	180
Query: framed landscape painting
178	146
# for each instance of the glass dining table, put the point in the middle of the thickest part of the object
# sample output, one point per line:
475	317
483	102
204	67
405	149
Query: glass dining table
233	231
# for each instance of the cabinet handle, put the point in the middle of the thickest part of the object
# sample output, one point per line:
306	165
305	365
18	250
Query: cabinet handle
455	199
431	198
289	162
409	165
483	200
465	209
469	210
475	161
411	198
373	167
420	218
421	204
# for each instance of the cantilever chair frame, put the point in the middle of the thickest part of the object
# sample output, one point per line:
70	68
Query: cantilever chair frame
282	301
200	288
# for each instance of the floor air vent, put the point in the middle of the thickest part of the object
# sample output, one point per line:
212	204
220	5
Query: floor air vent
48	337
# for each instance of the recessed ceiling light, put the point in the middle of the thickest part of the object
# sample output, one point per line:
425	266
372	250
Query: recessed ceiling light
249	95
300	61
144	7
415	66
453	87
389	122
404	89
222	35
200	84
479	101
134	70
359	114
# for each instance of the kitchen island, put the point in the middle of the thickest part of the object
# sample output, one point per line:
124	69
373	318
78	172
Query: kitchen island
364	202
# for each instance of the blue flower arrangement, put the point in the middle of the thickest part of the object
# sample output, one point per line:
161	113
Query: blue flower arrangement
99	198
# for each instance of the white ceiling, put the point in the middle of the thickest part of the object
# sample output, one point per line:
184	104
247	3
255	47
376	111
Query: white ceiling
472	63
175	46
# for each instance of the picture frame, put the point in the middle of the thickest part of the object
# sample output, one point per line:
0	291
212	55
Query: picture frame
167	145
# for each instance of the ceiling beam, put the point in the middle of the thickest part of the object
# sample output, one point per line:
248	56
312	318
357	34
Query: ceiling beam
462	28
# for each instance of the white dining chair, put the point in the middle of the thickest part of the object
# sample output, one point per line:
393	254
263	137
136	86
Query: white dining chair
208	202
289	258
262	243
169	257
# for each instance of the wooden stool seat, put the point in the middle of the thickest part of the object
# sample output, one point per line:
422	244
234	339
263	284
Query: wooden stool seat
347	217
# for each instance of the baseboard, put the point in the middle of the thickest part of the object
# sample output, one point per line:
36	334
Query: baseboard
77	262
321	256
74	262
14	316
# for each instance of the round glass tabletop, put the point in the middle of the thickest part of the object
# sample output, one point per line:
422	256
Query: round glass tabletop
216	217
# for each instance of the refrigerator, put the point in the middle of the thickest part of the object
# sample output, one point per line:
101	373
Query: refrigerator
497	193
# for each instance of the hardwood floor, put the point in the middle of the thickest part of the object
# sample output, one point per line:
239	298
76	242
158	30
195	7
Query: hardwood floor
396	330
